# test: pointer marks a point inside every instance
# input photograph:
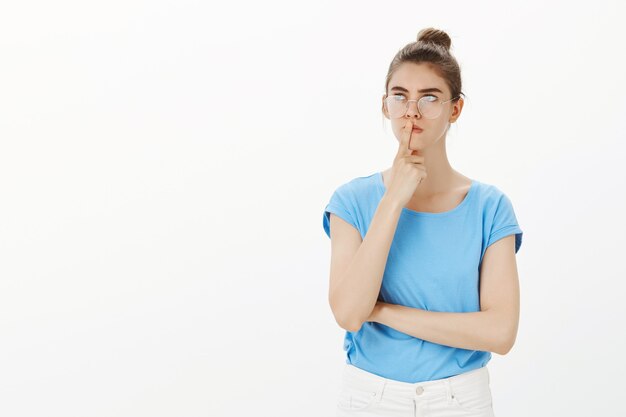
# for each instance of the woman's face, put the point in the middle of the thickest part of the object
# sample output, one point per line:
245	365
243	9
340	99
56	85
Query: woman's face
413	77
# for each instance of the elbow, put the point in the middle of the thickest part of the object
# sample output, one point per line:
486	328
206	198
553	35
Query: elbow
502	349
348	323
505	344
351	326
345	320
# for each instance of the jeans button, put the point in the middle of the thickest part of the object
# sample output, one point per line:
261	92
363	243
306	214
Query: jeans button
419	390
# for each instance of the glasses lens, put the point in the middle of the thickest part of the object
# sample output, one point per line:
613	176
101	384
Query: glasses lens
429	106
396	105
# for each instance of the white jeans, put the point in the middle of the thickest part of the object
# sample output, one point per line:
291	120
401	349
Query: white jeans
364	394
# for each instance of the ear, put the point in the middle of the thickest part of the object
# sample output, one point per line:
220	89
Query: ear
384	107
456	110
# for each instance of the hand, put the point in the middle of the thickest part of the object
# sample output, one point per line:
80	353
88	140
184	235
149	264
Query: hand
408	169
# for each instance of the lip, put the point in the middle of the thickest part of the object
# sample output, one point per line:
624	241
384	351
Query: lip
417	129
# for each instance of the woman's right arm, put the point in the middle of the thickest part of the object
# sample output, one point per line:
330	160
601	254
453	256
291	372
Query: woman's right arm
357	266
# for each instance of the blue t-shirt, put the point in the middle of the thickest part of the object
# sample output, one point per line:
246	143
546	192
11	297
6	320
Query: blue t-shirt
433	264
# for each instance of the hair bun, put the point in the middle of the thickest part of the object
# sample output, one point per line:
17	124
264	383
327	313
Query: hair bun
436	36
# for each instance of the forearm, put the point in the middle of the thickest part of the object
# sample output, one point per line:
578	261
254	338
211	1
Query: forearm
356	293
480	330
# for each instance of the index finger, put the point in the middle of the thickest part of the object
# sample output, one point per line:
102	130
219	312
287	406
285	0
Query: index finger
403	148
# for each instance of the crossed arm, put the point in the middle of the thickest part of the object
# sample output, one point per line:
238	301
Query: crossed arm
492	329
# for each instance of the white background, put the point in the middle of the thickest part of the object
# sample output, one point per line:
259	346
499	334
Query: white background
164	168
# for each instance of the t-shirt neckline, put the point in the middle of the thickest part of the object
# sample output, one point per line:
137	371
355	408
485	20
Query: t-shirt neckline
460	206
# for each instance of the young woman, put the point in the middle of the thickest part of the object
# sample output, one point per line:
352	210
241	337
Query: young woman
423	274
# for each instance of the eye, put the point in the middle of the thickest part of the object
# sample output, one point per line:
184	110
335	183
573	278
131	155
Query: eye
398	97
431	98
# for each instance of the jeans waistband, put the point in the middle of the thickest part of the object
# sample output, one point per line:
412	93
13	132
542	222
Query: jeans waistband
364	378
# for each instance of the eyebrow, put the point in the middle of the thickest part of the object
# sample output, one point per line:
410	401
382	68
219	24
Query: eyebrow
425	90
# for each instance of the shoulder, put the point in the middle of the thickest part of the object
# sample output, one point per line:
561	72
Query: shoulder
489	194
350	201
358	186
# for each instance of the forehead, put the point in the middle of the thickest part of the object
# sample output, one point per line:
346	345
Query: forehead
415	77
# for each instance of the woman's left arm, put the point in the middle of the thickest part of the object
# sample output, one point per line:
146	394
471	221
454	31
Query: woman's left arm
492	329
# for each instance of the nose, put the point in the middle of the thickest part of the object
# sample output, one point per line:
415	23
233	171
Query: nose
412	109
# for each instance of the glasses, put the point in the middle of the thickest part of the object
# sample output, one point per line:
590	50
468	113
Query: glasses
428	106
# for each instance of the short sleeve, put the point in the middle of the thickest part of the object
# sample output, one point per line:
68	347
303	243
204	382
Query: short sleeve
341	205
505	223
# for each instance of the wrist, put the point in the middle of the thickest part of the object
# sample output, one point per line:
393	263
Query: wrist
390	203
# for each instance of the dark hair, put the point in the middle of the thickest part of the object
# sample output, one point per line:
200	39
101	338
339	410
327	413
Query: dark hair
433	48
